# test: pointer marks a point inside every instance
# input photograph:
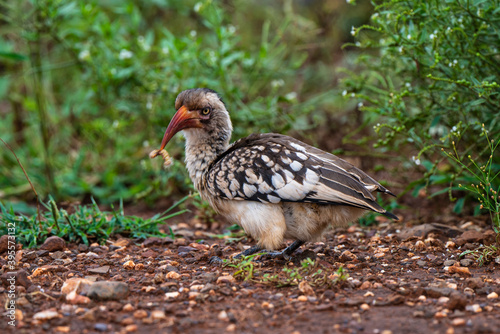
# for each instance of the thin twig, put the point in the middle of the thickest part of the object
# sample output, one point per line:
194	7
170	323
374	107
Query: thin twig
31	184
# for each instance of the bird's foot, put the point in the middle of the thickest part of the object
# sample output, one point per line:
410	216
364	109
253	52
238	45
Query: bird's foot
270	255
215	260
267	254
285	254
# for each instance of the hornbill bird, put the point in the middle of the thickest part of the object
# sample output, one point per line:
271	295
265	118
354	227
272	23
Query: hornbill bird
274	186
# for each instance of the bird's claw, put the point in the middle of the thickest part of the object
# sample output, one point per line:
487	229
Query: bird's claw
215	260
276	255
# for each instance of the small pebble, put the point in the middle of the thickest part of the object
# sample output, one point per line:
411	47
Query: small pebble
364	307
450	285
128	308
492	295
196	287
131	328
347	256
474	282
474	308
225	279
193	294
267	305
19	315
148	289
354	282
223	316
46	315
130	265
158	314
140	314
90	255
450	244
440	315
458	322
302	299
173	275
53	243
421	263
108	290
449	263
366	285
77	285
431	257
74	298
443	300
466	262
171	295
469	292
420	245
100	327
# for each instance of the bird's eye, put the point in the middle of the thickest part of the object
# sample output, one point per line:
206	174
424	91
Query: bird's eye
205	111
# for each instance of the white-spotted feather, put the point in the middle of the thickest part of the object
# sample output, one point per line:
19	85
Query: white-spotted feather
300	173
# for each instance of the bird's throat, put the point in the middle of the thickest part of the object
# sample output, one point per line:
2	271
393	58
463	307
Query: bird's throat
201	151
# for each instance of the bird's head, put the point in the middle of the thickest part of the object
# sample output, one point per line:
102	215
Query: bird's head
202	115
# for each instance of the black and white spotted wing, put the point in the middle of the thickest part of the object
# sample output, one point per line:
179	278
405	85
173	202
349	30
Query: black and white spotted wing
272	168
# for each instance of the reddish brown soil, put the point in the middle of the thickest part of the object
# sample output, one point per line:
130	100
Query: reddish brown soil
398	283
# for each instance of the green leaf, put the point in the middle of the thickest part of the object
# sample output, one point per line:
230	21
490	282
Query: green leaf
459	206
13	56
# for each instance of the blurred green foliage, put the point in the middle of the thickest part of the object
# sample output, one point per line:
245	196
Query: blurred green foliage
87	87
427	74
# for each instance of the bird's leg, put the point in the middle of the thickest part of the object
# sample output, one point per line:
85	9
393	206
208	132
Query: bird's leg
285	253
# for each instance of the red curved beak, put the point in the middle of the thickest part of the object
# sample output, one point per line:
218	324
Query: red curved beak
182	119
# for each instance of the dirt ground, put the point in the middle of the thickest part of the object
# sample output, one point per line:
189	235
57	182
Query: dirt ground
398	277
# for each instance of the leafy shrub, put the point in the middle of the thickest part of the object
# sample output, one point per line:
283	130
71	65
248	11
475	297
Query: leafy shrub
91	85
429	76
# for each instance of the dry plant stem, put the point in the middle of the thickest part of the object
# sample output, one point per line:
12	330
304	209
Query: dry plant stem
38	80
41	293
31	184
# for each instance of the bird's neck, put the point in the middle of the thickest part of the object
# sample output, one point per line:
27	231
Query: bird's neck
201	151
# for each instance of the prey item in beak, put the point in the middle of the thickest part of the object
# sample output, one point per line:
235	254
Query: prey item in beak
182	119
167	161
